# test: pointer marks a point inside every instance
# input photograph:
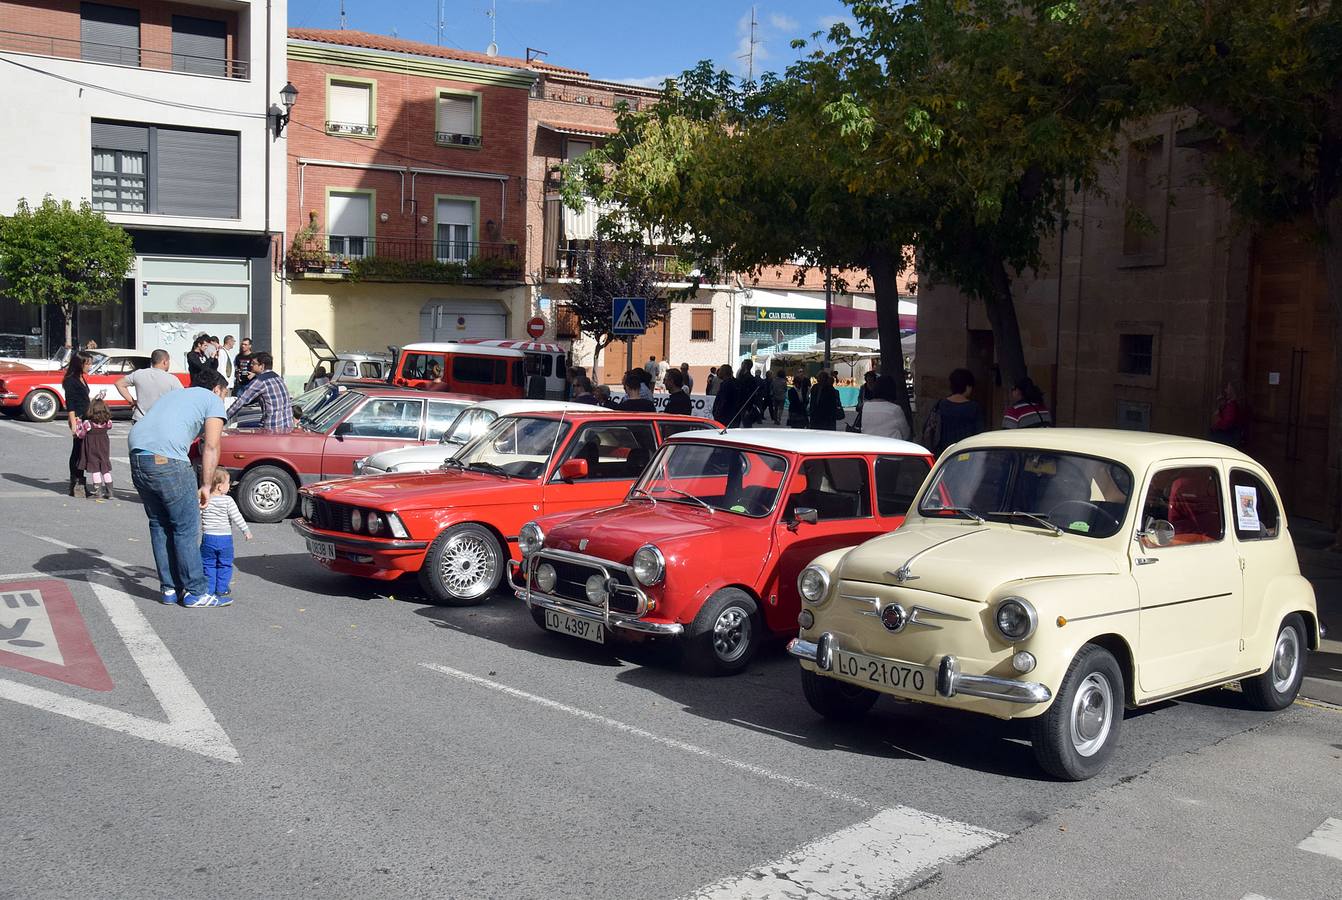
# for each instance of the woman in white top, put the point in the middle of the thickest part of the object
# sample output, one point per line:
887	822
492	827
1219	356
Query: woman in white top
882	415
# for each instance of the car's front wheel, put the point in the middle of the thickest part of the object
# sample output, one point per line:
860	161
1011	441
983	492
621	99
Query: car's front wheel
266	494
41	406
723	637
1076	737
463	566
1276	688
836	700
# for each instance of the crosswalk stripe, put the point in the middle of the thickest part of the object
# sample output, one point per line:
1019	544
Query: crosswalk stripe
1325	840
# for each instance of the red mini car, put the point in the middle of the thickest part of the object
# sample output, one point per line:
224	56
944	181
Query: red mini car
457	526
268	466
709	543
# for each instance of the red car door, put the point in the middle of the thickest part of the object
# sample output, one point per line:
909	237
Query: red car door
379	423
616	452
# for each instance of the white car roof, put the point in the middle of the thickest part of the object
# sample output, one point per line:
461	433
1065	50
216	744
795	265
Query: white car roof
508	407
802	440
455	347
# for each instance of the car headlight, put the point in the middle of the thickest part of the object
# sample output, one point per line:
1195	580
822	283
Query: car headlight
530	538
546	577
649	564
309	508
374	523
359	464
394	525
356	520
1015	618
596	590
813	584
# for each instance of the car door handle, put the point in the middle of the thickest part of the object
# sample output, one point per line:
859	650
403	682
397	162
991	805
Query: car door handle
1147	560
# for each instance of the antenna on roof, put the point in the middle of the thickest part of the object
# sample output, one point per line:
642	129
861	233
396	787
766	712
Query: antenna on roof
342	15
440	23
749	55
493	48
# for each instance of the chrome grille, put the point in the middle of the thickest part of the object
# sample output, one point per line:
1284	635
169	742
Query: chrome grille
331	516
571	584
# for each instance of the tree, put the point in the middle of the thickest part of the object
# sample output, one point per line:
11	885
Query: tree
612	269
63	255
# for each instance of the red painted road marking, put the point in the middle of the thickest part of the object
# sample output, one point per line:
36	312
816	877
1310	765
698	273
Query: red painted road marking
42	633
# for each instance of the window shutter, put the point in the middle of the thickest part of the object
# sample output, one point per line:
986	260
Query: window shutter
456	212
197	173
574	149
349	104
109	34
198	45
701	324
115	136
456	115
349	214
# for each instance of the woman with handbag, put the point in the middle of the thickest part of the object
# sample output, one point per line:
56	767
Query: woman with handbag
76	389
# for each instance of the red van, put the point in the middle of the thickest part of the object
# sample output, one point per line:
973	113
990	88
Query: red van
494	372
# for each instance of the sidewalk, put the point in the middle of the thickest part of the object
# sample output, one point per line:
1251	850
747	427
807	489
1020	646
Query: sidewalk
1323	568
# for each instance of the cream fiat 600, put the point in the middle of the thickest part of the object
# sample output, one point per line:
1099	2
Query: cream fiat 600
1062	575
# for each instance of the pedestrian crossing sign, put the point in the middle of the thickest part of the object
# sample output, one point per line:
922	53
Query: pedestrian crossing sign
628	315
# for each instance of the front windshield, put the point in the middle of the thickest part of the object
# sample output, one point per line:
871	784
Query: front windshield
731	479
1034	488
325	416
469	424
514	446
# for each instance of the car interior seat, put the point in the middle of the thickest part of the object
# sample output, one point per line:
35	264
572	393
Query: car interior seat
1195	509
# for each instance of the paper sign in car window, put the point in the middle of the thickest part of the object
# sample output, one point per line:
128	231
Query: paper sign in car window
1246	507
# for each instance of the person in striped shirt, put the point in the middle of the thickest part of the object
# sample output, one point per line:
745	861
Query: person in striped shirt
216	545
1027	409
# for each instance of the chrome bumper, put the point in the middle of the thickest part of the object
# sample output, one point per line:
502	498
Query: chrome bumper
350	540
599	614
950	680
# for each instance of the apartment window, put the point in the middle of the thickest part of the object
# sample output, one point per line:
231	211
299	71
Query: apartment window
168	171
350	108
1136	354
109	34
349	223
1146	196
199	46
455	222
574	149
701	324
566	323
458	120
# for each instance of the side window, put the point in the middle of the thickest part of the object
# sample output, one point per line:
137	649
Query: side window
1189	499
1255	514
473	369
834	488
441	415
670	428
519	373
386	419
370	370
540	364
422	366
897	481
560	369
614	449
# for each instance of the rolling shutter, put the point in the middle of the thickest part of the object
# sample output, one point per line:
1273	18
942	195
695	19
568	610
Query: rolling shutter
197	173
349	214
349	104
456	115
198	45
109	34
115	136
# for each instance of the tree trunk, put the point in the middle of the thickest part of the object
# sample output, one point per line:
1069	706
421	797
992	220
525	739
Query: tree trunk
1328	219
68	311
884	269
1001	309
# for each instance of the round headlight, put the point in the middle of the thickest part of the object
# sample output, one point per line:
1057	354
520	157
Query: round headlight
530	538
649	565
546	577
596	589
356	520
813	584
1015	618
374	523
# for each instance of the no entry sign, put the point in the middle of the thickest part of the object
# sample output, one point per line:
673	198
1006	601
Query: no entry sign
536	327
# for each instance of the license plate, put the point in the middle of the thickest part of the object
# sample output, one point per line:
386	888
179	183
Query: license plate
873	671
581	628
322	549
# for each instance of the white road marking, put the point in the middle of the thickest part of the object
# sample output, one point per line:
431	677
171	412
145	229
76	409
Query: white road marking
35	637
1326	839
190	726
29	429
881	857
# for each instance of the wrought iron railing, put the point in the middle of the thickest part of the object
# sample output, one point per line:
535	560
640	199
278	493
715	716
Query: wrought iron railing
402	259
112	54
671	265
457	140
360	129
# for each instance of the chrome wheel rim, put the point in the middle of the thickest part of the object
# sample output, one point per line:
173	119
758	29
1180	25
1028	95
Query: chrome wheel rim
43	406
267	496
468	566
1092	714
1285	660
731	634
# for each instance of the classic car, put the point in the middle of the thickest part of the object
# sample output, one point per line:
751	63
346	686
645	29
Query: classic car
38	394
708	544
457	527
1061	575
487	371
268	466
347	367
308	403
549	361
470	423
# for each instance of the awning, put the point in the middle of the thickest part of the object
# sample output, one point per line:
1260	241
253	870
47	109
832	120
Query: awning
573	129
848	317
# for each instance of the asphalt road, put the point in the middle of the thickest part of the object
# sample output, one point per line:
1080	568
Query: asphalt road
327	737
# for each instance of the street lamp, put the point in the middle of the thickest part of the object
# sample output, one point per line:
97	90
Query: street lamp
288	96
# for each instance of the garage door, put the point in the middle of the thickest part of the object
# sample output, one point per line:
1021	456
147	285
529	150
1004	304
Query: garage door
453	320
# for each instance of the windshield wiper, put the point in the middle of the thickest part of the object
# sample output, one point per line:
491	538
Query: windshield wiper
640	492
493	468
1037	518
960	510
681	493
452	462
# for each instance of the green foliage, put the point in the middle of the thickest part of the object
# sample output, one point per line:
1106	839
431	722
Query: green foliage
386	268
613	269
64	255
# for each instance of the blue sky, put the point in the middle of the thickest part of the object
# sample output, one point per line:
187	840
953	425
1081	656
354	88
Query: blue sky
638	41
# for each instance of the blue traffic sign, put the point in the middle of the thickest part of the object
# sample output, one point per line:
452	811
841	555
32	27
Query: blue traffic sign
628	315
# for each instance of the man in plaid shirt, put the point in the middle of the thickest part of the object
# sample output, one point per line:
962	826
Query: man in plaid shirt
277	410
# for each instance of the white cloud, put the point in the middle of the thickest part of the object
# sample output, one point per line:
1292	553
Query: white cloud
781	22
647	81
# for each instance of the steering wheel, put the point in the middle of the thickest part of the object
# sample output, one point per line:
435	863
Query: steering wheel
1089	507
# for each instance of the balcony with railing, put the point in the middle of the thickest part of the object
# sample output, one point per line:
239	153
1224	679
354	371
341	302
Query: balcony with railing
355	129
360	258
119	55
671	267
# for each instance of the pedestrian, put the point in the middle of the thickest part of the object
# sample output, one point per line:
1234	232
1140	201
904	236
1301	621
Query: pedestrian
678	402
76	389
197	361
651	367
663	367
645	382
826	409
95	449
267	386
217	520
1228	417
748	395
582	390
603	398
882	415
1027	409
212	352
226	350
149	384
711	386
725	401
242	365
686	378
955	417
798	399
633	401
778	395
161	469
572	378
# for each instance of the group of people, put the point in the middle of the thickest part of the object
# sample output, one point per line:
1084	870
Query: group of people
208	352
958	416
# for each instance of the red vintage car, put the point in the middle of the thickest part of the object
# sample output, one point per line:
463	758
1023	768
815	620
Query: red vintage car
457	526
38	394
708	545
269	466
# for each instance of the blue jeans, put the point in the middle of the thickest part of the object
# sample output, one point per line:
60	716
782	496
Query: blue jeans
216	555
168	491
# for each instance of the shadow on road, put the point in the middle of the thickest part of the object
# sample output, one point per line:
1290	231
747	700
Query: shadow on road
138	581
62	487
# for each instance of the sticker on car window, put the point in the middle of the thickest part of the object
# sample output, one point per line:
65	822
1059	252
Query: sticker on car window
1082	527
1246	507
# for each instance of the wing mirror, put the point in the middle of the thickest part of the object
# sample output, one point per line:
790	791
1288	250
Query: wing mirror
803	515
573	469
1158	533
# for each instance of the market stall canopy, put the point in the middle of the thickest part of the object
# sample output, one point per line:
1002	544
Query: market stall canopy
851	317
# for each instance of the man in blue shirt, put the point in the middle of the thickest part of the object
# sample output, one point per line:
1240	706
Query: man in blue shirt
160	467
